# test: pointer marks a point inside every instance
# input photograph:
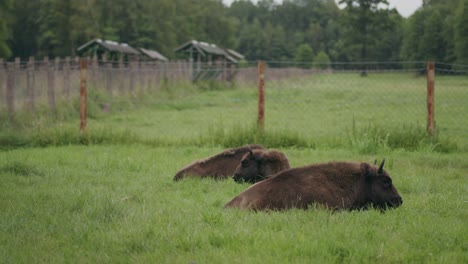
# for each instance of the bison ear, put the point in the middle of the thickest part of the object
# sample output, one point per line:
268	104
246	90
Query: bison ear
380	170
365	169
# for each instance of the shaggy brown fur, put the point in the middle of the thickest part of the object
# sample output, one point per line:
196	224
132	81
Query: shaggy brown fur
259	164
220	166
335	185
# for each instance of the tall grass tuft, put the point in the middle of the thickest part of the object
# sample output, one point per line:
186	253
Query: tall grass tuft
21	169
241	135
211	85
11	139
371	139
59	136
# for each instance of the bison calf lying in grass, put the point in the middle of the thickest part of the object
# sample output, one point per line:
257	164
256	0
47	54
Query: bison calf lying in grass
335	185
220	166
259	164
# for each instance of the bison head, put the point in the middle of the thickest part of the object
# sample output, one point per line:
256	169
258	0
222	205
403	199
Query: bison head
251	167
380	190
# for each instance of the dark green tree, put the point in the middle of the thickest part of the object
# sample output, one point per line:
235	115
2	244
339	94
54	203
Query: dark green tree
243	10
24	26
216	26
387	46
360	19
88	23
55	27
452	4
448	35
161	27
304	56
461	33
413	31
430	33
5	33
273	43
322	60
432	44
333	33
315	36
250	40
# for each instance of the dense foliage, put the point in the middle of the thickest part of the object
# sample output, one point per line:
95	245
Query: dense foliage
357	30
5	7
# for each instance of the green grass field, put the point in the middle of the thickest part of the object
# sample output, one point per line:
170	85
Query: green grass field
108	195
119	204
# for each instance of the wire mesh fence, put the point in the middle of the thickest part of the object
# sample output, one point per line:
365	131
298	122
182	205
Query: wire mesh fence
335	100
313	101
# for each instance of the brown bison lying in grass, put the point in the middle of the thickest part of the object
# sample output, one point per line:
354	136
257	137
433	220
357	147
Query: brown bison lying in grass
220	166
335	185
259	164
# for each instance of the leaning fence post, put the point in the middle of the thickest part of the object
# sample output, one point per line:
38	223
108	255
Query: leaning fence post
430	97
83	93
261	96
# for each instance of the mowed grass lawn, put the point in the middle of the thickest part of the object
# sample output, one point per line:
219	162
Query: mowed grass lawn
119	204
108	195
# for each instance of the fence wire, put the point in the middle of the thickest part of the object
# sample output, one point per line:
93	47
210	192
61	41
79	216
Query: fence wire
315	101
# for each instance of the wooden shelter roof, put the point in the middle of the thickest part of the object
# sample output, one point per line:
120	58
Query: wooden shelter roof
204	49
153	54
109	45
98	45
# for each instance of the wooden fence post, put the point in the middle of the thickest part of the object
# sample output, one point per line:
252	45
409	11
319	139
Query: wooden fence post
93	72
17	73
261	96
430	98
66	78
131	70
10	90
50	84
2	83
30	89
149	76
83	93
141	68
121	76
107	67
157	75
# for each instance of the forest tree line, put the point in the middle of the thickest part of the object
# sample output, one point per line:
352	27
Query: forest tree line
295	30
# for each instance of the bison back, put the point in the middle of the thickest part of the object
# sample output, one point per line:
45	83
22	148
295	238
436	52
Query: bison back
300	188
220	166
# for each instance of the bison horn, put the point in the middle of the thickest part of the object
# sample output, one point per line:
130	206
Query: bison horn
251	153
380	170
249	148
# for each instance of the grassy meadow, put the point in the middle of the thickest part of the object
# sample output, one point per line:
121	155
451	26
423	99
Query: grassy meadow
119	204
107	195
